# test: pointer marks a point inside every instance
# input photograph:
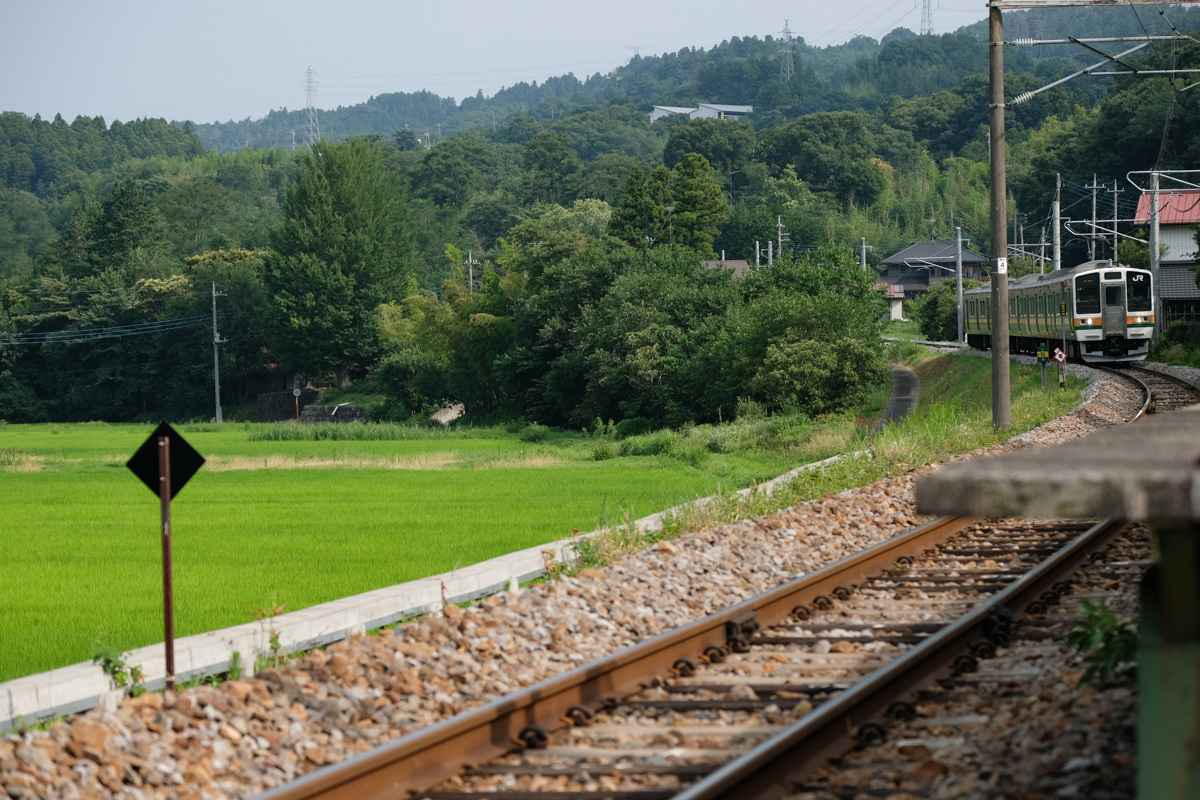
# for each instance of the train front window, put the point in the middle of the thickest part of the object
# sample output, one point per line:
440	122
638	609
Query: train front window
1113	296
1087	294
1138	284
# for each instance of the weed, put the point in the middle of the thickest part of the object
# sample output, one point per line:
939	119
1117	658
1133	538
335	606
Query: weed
1108	647
235	665
112	661
12	457
605	449
273	657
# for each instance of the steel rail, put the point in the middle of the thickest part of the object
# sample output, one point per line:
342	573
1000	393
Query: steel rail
426	757
770	770
1136	381
1167	377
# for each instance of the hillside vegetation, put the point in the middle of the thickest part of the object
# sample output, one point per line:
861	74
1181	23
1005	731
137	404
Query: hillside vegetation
552	267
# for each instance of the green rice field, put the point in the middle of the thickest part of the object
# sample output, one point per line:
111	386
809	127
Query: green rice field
293	522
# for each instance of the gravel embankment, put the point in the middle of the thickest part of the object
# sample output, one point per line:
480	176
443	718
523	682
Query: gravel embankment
248	735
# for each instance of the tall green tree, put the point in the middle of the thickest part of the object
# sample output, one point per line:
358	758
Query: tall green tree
726	145
698	205
342	250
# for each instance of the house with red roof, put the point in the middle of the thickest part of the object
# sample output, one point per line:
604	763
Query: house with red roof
1178	215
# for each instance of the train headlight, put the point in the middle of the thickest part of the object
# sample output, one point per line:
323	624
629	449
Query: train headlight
1137	319
1087	321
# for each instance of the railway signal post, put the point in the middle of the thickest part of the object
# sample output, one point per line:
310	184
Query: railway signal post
165	462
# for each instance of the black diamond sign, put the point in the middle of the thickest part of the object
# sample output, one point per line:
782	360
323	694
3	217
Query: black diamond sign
184	460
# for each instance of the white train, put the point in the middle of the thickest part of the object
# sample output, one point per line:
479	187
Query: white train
1104	310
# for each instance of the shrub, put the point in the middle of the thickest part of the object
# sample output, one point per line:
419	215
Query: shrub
1179	332
534	433
635	426
604	450
652	444
750	409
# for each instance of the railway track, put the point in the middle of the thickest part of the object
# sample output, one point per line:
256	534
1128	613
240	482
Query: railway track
746	702
1166	391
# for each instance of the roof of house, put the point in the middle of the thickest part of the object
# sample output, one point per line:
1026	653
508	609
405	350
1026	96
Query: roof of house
676	109
1178	283
1174	208
737	266
937	252
728	109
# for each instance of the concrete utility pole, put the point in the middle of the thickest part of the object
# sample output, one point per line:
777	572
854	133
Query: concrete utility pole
862	253
1001	388
958	271
1154	257
217	342
1092	236
1116	192
1054	212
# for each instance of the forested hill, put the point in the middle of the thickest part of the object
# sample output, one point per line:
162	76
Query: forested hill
858	74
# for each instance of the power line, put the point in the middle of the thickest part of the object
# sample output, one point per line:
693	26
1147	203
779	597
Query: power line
98	334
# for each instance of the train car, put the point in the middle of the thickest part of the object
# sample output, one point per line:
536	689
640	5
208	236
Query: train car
1109	312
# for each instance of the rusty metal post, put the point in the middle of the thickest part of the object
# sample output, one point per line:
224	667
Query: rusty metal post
164	493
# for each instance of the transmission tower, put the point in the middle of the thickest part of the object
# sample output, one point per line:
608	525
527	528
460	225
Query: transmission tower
785	68
310	107
926	17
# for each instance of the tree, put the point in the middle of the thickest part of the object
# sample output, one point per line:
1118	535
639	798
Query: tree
551	169
936	311
726	145
192	208
699	205
343	248
642	219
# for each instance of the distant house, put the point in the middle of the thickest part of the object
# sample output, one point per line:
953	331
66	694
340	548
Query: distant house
1178	214
914	269
665	111
710	111
704	111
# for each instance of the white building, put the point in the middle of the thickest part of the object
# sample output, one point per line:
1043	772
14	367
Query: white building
705	111
665	111
712	111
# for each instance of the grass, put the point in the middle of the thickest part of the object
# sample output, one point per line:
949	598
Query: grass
311	515
902	329
1179	354
953	416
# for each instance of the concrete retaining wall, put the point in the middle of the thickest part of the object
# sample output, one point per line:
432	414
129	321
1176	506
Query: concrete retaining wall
342	412
281	406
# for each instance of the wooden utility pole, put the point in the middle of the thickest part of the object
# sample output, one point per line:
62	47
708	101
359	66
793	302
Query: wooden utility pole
1001	389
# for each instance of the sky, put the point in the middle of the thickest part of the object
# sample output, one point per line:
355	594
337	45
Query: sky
224	60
